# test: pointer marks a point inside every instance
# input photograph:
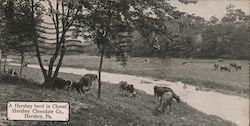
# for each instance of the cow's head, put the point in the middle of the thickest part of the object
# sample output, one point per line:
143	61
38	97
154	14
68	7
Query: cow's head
68	85
95	76
178	99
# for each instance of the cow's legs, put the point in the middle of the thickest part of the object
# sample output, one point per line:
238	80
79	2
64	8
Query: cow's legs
82	90
78	90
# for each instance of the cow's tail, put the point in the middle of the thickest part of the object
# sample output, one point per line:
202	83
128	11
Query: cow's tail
121	84
120	88
155	91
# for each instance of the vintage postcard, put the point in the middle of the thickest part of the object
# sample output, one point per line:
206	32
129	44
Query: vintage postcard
124	62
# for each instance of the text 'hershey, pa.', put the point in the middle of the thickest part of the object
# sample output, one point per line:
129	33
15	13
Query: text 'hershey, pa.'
44	111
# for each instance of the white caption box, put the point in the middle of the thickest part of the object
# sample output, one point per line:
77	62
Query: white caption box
43	111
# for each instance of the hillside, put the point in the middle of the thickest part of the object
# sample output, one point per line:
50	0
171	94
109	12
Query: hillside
114	108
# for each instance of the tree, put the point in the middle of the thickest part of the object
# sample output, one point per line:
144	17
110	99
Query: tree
234	15
228	38
63	14
106	24
1	33
214	20
111	22
17	31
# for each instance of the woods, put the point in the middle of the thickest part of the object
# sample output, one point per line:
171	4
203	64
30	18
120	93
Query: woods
227	38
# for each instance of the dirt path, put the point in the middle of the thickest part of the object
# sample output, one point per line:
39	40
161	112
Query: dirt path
231	108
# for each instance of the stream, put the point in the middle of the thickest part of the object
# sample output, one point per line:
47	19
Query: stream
228	107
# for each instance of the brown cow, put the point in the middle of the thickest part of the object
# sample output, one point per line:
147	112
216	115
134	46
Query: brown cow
160	90
82	85
166	100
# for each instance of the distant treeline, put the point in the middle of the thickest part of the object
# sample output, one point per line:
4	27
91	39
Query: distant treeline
222	40
227	38
229	41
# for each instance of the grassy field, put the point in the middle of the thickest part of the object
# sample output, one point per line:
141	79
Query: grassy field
114	109
196	71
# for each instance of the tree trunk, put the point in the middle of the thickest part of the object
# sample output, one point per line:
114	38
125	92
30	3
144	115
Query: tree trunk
38	55
58	65
47	81
21	67
0	61
99	73
58	42
5	61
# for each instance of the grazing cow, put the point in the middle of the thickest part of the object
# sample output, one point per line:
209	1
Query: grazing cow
224	68
78	86
60	83
238	67
93	77
235	66
160	90
25	64
166	100
124	86
85	81
146	82
183	63
220	60
11	72
184	86
216	66
82	85
198	87
146	60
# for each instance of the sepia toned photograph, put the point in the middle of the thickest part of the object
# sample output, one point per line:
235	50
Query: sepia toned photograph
124	62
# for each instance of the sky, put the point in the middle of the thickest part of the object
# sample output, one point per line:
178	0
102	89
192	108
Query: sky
208	8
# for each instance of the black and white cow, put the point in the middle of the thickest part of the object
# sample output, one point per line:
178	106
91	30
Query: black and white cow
124	86
11	72
60	83
236	66
216	66
225	68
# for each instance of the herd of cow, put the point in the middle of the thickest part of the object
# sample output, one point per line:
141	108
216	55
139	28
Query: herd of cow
227	68
164	94
81	86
